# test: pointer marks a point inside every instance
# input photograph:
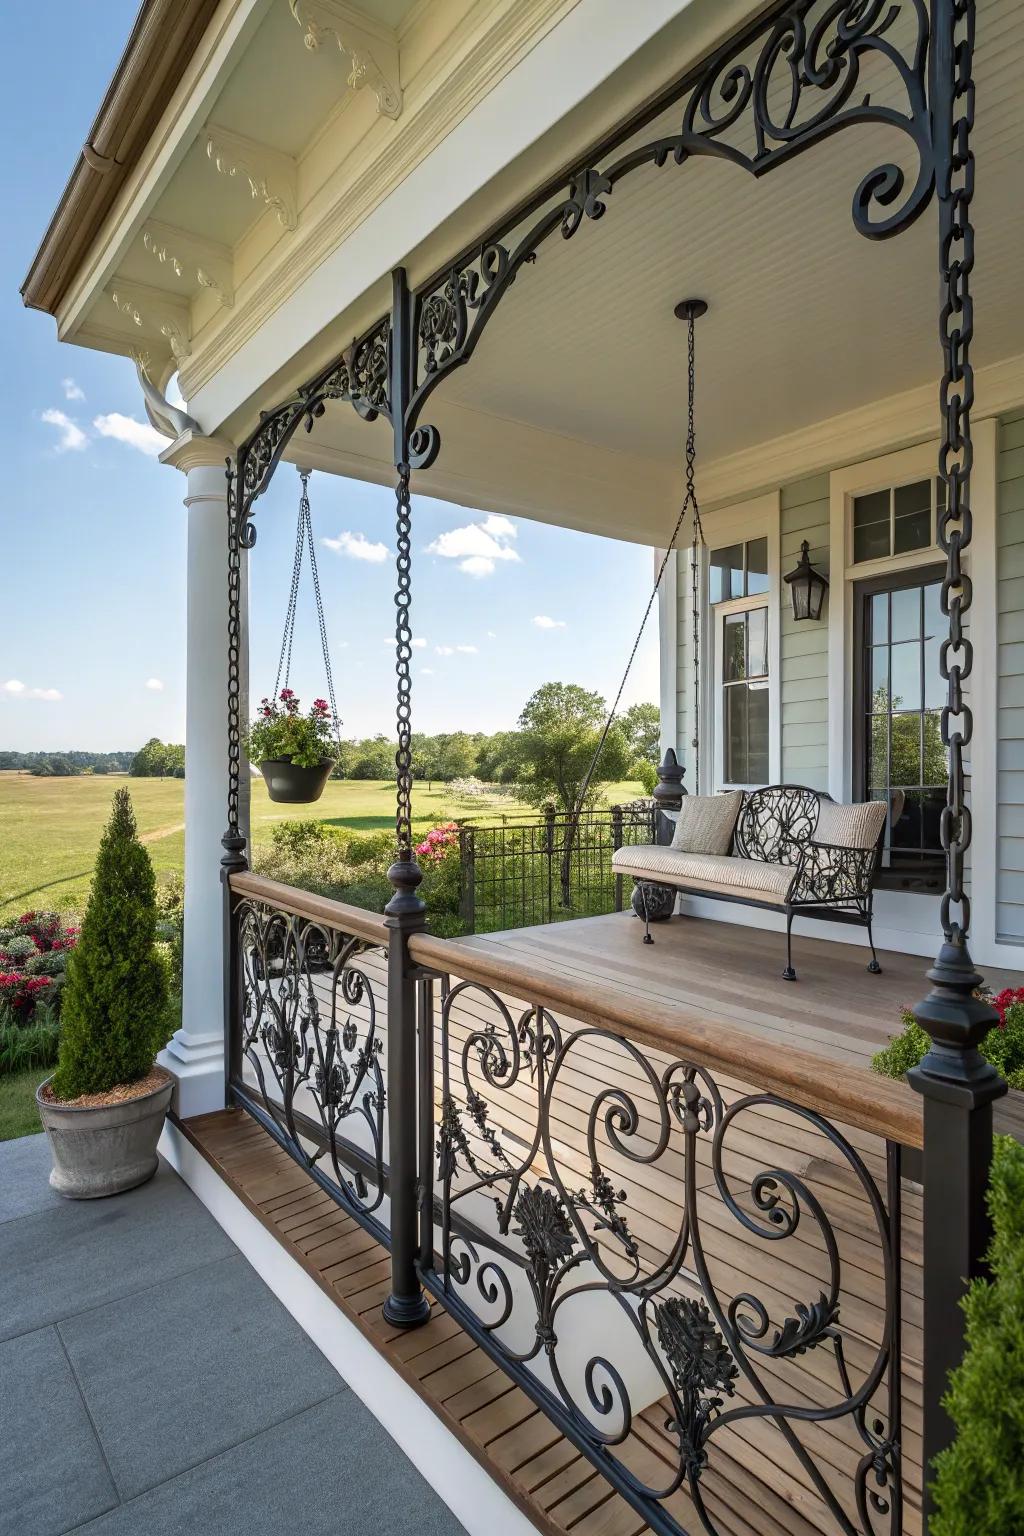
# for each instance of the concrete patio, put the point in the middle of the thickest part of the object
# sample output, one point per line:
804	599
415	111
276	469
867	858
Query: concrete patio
150	1382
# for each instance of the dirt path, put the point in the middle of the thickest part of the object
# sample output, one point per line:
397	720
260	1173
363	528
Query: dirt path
159	832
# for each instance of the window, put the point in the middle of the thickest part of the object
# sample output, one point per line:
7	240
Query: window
745	720
896	521
899	694
740	570
737	578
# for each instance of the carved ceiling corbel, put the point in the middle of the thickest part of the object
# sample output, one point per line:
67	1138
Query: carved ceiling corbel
370	47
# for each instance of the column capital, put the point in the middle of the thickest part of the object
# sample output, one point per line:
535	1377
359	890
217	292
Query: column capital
193	450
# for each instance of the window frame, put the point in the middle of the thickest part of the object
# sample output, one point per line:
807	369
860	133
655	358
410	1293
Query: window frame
758	518
925	573
719	613
892	484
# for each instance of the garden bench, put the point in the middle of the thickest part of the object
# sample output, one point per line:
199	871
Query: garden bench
785	848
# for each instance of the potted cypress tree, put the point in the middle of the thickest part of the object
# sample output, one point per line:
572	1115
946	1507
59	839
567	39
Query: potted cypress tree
104	1107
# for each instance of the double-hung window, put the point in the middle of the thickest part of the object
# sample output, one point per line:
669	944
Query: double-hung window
738	588
898	690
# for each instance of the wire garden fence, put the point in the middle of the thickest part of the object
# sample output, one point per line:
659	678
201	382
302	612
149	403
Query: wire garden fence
548	869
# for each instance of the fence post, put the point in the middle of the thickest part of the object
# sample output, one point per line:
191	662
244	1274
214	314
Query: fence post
467	877
958	1087
404	915
549	844
616	845
234	861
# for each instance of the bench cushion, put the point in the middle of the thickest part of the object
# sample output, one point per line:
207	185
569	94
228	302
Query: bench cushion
705	823
850	826
746	879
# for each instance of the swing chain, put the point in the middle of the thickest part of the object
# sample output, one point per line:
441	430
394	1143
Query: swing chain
403	668
696	544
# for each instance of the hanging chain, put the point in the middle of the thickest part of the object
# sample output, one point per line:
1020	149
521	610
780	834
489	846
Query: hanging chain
695	546
232	838
689	500
284	662
321	622
403	669
956	331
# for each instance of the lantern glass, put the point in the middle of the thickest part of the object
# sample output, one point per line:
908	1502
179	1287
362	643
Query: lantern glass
807	587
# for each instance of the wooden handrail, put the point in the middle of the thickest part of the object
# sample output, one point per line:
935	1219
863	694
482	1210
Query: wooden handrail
320	909
850	1094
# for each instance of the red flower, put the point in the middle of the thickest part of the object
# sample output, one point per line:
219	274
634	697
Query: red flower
320	704
287	693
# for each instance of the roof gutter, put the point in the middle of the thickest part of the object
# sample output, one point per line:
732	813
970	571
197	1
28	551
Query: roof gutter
164	38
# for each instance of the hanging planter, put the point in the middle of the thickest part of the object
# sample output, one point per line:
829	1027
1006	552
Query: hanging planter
294	752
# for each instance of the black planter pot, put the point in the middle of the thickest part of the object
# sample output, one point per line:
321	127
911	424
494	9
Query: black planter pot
289	784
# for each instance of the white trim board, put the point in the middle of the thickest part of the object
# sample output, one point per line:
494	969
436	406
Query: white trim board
456	1476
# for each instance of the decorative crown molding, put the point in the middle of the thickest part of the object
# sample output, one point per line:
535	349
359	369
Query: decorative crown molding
197	262
271	175
154	313
371	47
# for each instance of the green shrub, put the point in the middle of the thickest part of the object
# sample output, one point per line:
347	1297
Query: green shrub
1003	1046
171	927
372	893
115	1002
292	838
376	848
979	1485
18	949
447	925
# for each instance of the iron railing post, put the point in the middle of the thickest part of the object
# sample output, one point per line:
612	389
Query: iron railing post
668	795
404	915
232	976
425	1080
549	843
957	1084
616	845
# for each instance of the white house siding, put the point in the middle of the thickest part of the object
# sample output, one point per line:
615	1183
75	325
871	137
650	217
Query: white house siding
1010	540
804	506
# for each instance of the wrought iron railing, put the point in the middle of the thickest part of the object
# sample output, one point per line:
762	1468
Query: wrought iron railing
544	869
684	1245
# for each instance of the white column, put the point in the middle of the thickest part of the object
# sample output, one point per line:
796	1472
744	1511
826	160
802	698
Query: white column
195	1055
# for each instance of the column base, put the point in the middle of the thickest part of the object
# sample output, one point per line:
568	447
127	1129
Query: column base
406	1311
197	1064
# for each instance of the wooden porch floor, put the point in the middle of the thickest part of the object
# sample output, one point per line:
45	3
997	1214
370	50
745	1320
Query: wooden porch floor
728	972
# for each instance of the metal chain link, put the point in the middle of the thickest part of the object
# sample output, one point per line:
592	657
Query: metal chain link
322	623
696	545
284	661
403	669
234	659
955	523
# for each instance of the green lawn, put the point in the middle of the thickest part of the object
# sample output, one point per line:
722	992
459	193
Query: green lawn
18	1113
50	828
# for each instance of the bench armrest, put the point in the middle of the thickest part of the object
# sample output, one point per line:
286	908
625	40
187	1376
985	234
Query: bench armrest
831	874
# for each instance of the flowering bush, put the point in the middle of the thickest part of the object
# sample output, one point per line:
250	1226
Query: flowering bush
438	842
281	730
1003	1046
33	956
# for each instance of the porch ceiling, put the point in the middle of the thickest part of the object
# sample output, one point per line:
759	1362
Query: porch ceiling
584	363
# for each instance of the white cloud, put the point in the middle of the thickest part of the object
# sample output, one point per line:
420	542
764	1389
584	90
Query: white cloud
126	429
72	438
478	546
358	547
14	689
543	622
467	650
419	643
426	671
72	391
154	684
445	650
491	635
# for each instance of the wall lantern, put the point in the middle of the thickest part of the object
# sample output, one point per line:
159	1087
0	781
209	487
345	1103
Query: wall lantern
807	587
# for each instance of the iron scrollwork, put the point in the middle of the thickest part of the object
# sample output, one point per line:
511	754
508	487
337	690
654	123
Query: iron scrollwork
679	1357
311	1041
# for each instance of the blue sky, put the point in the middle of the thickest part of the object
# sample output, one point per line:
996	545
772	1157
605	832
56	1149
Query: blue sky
93	611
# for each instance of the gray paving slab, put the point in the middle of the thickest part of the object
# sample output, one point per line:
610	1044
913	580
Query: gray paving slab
25	1186
85	1253
185	1369
52	1472
330	1471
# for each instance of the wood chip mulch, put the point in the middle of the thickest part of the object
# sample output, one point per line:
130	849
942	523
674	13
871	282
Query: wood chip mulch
120	1094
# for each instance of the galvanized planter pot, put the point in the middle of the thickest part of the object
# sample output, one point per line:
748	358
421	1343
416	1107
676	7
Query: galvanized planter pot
289	784
104	1150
